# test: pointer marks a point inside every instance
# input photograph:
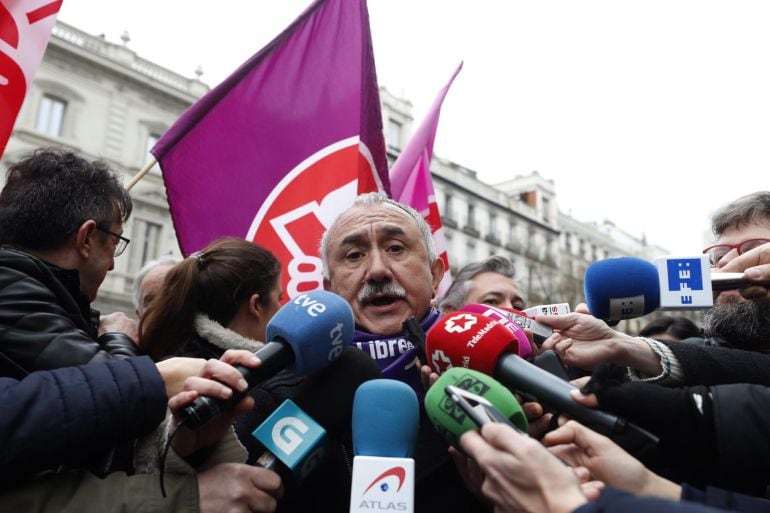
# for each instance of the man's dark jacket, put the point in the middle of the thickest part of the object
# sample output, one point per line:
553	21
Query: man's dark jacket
46	321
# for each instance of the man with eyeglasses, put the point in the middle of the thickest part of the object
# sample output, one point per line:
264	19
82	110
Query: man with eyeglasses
61	224
740	227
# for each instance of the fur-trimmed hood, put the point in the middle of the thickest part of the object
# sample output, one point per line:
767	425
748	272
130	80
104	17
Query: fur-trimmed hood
217	335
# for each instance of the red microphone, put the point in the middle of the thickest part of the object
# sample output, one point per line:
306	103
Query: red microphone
504	317
469	340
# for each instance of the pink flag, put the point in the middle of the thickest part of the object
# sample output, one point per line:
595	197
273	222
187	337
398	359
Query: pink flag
411	182
25	26
282	146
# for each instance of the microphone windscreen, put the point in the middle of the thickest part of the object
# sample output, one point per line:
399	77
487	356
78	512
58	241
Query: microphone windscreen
450	420
524	348
317	325
621	288
327	396
386	418
466	339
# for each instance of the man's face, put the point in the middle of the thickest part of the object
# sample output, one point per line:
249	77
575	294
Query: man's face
101	259
743	324
495	290
378	262
150	286
736	235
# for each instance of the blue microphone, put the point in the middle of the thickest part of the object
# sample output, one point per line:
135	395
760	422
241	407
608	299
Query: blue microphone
386	418
621	288
306	334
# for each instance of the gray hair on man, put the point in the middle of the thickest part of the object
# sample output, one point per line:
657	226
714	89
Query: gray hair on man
458	291
376	198
754	207
163	261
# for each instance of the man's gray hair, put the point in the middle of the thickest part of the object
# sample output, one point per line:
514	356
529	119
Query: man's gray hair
164	261
377	198
746	209
458	291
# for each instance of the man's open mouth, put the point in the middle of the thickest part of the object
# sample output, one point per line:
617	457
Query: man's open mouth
383	300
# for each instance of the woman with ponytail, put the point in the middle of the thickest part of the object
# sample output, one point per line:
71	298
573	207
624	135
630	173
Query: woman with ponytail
219	298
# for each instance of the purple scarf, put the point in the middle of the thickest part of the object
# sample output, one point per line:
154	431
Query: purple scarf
396	355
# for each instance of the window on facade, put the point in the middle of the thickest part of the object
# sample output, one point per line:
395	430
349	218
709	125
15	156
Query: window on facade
546	209
145	244
493	226
470	252
50	115
394	134
472	216
448	207
152	138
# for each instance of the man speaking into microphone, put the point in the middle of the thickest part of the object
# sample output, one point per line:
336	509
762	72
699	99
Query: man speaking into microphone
379	255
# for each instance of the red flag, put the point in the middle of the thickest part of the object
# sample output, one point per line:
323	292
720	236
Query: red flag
25	26
282	146
412	184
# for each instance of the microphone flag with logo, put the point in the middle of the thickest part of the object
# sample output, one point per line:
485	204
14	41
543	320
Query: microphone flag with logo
281	147
386	418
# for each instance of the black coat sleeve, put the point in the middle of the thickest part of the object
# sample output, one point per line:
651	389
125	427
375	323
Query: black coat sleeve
70	415
708	365
42	327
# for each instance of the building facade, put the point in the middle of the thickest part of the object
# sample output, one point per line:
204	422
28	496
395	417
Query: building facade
105	101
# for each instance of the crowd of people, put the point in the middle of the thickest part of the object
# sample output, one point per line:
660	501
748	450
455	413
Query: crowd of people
90	402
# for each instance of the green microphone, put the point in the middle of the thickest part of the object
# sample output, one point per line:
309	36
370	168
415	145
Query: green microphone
447	406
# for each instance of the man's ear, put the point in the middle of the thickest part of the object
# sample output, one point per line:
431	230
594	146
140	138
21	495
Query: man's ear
85	238
437	269
327	284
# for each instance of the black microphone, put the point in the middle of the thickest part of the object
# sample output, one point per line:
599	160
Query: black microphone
306	334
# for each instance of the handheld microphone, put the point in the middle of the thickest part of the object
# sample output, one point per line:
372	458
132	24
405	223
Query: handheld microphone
524	348
450	420
553	309
628	287
325	399
305	335
386	417
487	350
621	288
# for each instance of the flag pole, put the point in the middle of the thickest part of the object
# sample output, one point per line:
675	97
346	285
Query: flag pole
138	176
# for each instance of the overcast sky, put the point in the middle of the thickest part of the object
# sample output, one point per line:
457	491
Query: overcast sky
650	114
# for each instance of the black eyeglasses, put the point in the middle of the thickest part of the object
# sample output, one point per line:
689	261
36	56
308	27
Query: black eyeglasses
717	252
120	245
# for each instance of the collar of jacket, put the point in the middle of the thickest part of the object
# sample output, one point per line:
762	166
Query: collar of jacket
221	337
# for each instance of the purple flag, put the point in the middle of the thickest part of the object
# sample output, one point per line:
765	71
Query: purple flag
275	152
411	182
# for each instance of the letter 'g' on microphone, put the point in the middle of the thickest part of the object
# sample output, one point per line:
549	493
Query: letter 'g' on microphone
292	437
450	420
386	417
621	288
306	334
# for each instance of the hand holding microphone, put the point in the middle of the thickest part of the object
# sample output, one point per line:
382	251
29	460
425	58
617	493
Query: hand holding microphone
305	335
755	265
218	379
